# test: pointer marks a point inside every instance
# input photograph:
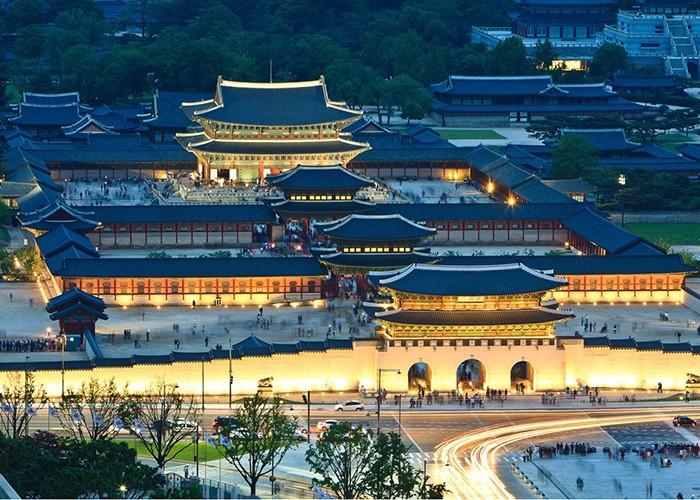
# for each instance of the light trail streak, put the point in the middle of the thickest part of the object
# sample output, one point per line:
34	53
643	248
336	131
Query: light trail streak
477	478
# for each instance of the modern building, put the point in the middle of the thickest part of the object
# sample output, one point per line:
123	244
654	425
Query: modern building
504	101
653	36
570	26
255	129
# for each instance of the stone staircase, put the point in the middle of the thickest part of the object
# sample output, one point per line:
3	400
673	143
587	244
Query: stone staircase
682	48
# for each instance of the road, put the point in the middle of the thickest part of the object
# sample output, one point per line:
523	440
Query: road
471	450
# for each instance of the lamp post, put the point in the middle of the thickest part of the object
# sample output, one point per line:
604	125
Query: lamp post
622	181
202	383
230	372
63	367
26	398
400	401
379	393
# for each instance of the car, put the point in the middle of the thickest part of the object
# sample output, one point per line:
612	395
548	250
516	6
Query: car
350	405
220	422
301	435
187	425
683	421
325	425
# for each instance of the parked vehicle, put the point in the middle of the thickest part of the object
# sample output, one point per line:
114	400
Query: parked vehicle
350	405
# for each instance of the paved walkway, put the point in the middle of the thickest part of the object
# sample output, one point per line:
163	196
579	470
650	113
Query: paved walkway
604	478
638	321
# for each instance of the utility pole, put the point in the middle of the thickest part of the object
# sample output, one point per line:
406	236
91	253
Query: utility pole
63	367
308	416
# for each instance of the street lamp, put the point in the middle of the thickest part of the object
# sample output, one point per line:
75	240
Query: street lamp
379	392
230	372
63	366
622	181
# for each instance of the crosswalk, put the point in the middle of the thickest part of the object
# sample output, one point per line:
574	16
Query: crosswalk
417	459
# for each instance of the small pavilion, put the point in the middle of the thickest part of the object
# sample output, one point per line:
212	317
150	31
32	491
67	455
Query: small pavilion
76	312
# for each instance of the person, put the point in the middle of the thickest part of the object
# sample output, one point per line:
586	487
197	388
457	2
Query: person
659	388
148	335
186	471
579	483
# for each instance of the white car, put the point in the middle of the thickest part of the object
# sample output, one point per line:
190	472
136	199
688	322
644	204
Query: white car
350	405
325	425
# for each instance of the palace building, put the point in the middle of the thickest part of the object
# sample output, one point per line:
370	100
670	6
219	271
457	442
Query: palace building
467	301
373	242
318	193
252	130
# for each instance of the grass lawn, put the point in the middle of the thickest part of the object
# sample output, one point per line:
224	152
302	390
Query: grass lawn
4	236
670	142
473	134
187	455
676	233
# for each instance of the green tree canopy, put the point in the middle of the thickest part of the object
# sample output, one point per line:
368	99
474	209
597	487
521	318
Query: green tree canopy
573	157
508	58
608	59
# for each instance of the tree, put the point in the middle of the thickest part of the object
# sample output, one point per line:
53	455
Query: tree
509	57
19	402
263	435
392	475
543	56
157	421
343	458
608	59
403	91
30	41
644	129
25	12
573	157
44	465
89	414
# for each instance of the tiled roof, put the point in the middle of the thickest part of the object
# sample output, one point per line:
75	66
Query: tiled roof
78	307
277	147
73	296
501	279
112	214
31	115
319	178
333	207
269	104
61	238
568	265
631	343
376	260
479	211
600	231
51	99
603	139
473	317
534	190
167	113
181	267
392	227
492	85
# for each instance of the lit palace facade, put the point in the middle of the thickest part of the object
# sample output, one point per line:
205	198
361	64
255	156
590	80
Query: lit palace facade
252	130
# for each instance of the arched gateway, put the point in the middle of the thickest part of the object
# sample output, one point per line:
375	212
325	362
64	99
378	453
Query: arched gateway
522	376
419	378
471	375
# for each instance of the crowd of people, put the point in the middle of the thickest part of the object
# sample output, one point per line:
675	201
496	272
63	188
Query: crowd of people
30	345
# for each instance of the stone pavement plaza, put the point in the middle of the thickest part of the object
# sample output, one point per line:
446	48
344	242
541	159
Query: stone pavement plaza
605	478
18	320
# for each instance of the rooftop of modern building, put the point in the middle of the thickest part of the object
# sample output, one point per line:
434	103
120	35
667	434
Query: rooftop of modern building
464	281
272	104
